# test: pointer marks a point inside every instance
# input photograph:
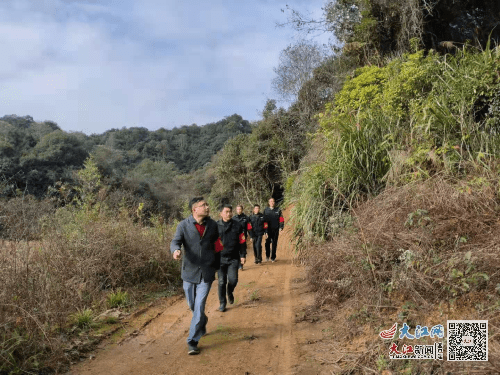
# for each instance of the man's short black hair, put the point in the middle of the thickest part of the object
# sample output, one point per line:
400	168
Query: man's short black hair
193	201
225	205
256	205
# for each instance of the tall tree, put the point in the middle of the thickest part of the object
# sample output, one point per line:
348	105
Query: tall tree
296	66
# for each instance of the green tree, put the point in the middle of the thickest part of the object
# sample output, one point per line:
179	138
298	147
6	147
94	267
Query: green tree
56	149
155	172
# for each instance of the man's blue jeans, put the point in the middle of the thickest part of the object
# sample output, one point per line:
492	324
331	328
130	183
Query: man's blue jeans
196	296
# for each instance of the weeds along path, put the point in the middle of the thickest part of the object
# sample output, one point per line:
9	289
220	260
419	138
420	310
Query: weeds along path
253	336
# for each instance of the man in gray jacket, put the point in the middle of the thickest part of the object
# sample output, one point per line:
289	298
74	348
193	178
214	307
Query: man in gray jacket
199	236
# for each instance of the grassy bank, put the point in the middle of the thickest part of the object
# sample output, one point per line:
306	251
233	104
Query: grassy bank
421	254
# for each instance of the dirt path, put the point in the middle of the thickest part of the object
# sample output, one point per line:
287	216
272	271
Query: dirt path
254	336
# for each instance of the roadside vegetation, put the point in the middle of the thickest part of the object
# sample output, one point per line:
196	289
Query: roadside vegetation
395	209
86	259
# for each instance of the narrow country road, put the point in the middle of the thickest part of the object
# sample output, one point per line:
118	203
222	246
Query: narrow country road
253	336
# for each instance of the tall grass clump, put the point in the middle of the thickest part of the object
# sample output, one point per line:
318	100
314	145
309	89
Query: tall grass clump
117	299
85	251
358	130
355	159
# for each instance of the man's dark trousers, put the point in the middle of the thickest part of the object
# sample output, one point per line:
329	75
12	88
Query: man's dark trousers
257	248
272	237
228	277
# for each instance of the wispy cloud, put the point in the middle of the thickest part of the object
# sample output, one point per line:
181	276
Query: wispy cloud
95	65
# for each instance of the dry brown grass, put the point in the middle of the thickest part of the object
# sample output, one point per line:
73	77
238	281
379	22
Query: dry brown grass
418	252
421	232
20	216
81	258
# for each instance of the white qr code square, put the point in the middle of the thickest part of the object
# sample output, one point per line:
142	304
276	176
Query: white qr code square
467	340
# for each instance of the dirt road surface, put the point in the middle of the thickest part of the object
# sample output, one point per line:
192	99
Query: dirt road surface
255	335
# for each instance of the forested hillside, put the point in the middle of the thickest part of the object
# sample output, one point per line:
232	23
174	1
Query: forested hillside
38	157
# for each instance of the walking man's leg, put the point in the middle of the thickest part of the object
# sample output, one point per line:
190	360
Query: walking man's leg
196	295
254	245
258	244
223	271
232	278
268	245
275	244
190	291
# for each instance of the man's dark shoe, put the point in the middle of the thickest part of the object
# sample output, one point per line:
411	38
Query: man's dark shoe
222	307
193	348
267	259
230	298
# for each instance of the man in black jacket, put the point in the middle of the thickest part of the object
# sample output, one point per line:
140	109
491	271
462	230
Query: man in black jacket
274	219
199	235
256	229
234	252
243	220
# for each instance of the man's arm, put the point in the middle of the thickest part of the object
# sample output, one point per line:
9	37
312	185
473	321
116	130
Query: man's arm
218	246
176	244
243	243
249	228
245	222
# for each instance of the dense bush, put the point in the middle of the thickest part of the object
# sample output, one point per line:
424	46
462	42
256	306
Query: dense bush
416	116
21	217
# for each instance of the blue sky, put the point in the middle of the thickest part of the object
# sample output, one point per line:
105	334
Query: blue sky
93	65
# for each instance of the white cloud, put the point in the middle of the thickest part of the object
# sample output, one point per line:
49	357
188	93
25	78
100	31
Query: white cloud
95	65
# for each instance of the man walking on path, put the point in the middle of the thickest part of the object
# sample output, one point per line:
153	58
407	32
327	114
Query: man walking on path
243	220
257	227
199	236
275	221
233	253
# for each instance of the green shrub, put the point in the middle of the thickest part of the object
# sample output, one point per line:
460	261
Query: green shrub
459	112
83	318
117	299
